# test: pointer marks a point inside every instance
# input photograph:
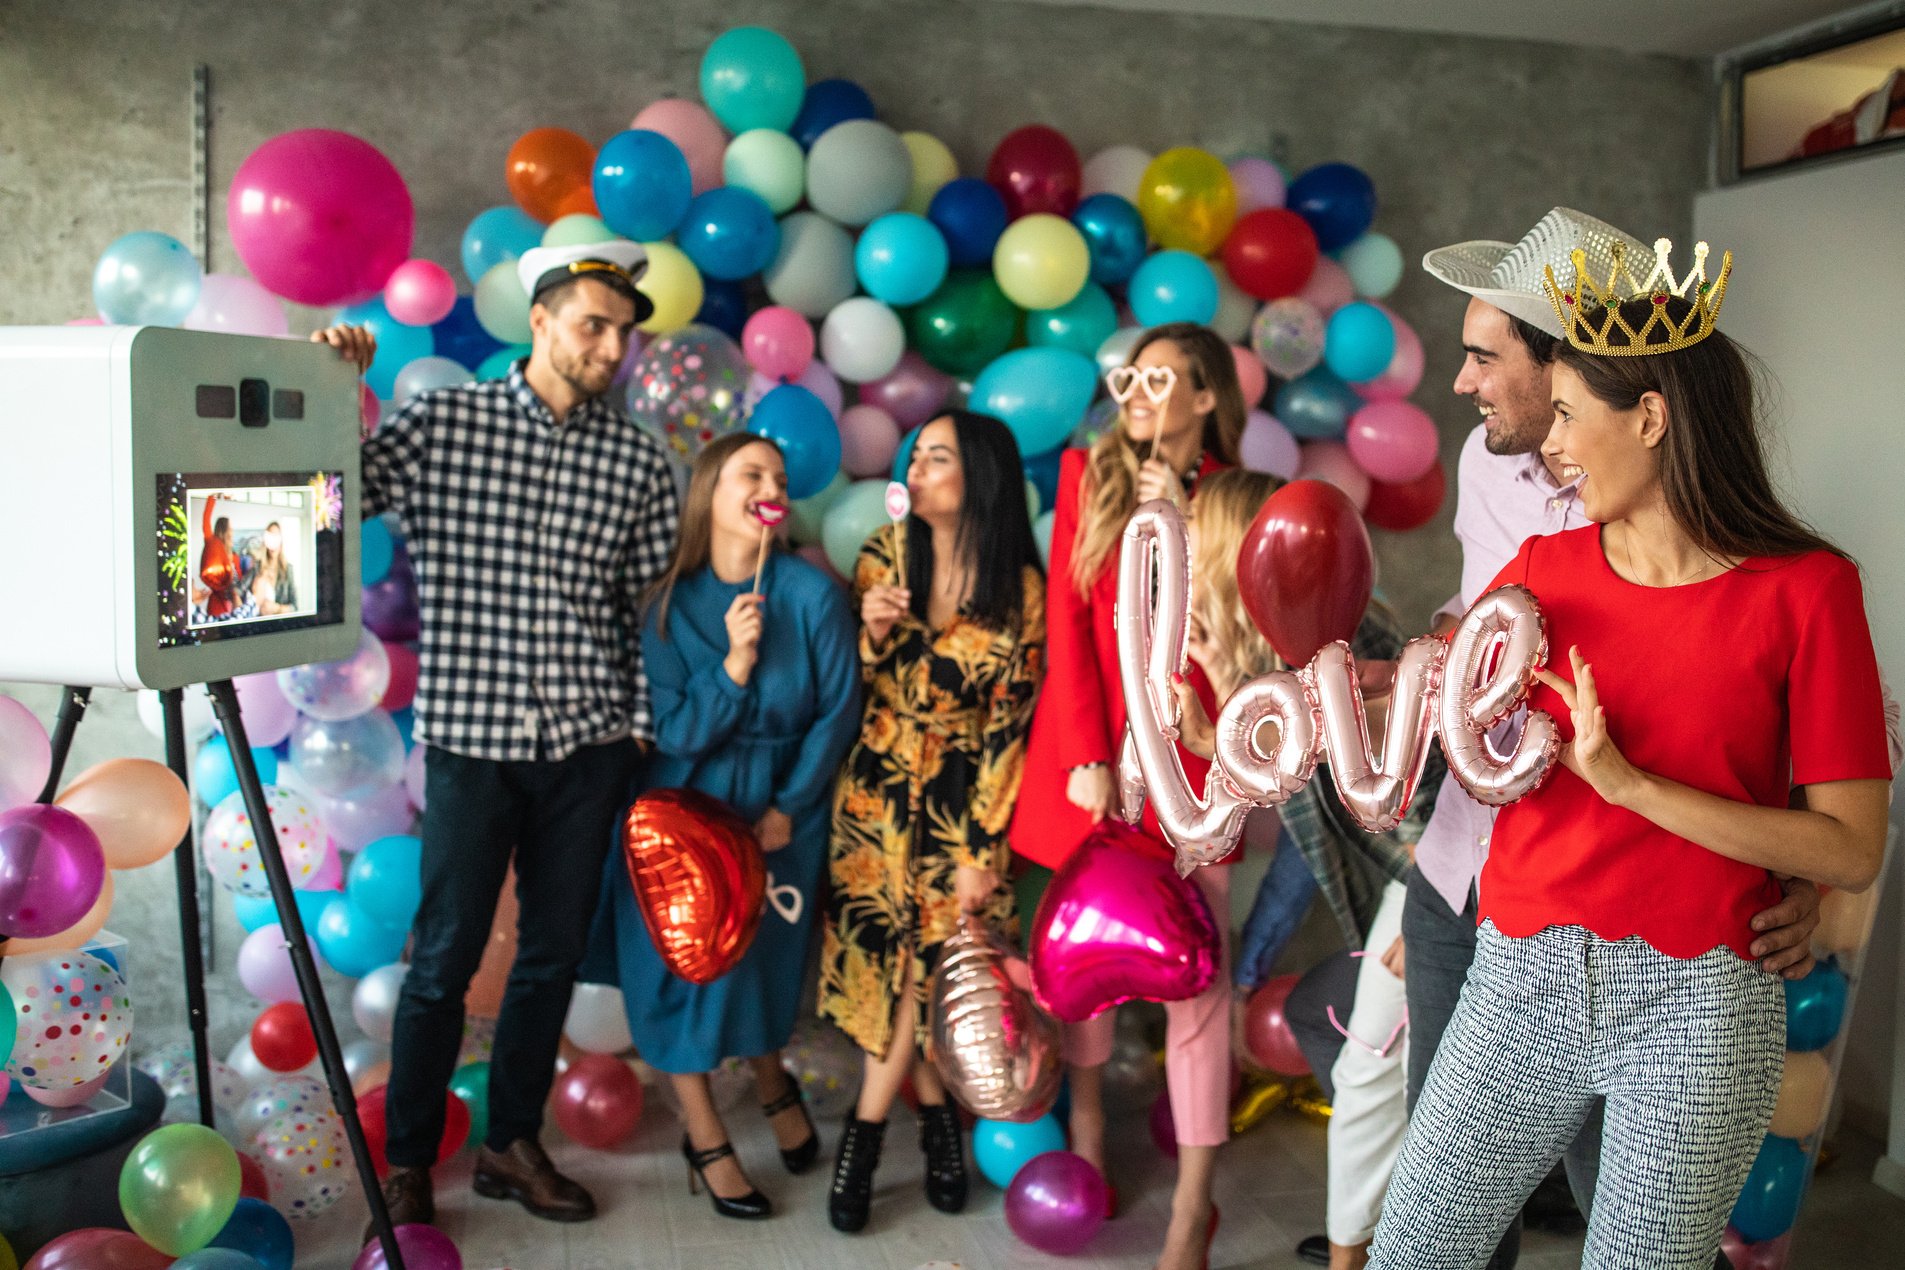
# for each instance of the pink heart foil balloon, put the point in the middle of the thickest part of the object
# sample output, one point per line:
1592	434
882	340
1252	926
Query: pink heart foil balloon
1116	924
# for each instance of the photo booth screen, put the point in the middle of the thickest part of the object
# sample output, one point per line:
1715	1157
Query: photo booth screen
248	554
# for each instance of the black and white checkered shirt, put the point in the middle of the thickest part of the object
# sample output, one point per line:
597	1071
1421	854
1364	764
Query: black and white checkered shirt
532	542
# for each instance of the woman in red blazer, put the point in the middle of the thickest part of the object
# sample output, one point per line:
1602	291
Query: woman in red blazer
1151	452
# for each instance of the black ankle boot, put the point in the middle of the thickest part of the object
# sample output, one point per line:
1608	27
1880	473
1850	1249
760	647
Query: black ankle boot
940	1139
852	1195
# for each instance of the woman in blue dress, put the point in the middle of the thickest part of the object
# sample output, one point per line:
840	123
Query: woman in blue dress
756	699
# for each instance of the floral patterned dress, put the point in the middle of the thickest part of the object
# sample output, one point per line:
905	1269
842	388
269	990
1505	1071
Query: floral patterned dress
929	786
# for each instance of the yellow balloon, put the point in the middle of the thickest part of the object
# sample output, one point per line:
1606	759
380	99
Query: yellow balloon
1804	1092
1260	1096
1041	261
7	1260
674	284
1187	200
933	166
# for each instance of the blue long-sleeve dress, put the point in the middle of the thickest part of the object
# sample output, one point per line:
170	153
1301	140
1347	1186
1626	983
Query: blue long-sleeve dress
778	743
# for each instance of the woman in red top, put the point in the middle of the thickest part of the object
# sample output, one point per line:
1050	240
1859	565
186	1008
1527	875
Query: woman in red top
1068	788
1721	724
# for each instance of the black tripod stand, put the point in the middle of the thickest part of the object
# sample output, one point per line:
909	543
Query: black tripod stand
225	706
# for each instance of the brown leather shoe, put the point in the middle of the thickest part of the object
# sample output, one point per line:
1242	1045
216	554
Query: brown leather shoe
523	1173
409	1197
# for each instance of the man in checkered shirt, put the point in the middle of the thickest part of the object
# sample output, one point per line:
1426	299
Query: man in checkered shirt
536	514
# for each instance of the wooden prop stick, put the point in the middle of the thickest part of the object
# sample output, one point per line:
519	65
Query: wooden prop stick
770	515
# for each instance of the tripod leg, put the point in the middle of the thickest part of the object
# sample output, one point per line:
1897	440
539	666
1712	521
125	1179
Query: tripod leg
72	710
192	952
225	706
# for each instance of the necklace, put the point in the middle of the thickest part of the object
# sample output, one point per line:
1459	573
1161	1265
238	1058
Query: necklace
1627	559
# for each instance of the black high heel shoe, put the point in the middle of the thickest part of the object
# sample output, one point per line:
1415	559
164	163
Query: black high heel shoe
800	1158
752	1204
851	1197
940	1139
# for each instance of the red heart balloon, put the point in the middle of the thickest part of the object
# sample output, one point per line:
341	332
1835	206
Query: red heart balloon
1306	571
699	880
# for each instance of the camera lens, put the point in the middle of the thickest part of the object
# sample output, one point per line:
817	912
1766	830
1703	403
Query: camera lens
254	403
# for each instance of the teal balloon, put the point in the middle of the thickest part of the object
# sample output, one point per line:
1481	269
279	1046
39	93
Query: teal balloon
1815	1007
807	515
1374	265
254	911
1359	342
1114	234
641	184
797	421
903	457
752	77
398	344
215	776
900	258
1769	1202
1040	393
218	1259
376	551
1173	286
258	1232
495	235
497	364
386	880
1080	326
146	279
729	233
9	1024
353	942
859	510
1316	405
471	1084
1001	1148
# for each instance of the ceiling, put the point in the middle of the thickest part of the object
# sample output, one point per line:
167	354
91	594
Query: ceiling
1691	28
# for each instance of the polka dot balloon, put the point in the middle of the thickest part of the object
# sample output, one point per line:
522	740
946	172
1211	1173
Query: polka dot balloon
73	1017
290	1096
689	387
306	1159
231	847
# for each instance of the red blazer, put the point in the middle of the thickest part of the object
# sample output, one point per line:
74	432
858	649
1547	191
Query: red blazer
1081	713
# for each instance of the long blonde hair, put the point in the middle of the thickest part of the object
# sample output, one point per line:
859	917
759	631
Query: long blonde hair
1225	504
1108	494
695	542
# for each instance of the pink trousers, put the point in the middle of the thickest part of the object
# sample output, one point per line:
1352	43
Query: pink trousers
1196	1038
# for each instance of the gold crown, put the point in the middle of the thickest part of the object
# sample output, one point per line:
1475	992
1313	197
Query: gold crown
1591	313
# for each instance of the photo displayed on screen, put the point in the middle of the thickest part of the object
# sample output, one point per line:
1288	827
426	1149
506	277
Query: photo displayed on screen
247	554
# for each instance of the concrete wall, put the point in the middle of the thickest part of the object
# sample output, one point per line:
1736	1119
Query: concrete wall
1465	138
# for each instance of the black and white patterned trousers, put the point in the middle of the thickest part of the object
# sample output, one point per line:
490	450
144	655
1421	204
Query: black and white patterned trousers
1688	1054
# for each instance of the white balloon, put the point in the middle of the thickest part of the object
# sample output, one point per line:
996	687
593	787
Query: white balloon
426	374
598	1019
374	1000
1235	308
362	1055
813	271
862	340
1115	170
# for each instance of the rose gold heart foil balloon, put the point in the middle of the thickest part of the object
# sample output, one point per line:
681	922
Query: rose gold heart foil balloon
699	880
998	1052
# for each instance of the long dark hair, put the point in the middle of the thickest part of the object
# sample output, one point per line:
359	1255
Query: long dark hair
1712	459
994	539
694	544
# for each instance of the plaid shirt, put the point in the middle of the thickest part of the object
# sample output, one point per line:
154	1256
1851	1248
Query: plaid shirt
533	541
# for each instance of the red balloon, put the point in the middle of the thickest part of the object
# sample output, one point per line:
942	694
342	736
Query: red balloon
282	1037
96	1248
1409	505
373	1113
597	1101
1267	1036
1270	253
1037	170
1306	570
699	880
252	1182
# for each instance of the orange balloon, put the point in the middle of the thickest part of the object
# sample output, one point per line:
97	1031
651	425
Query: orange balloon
73	936
485	997
579	201
139	809
546	166
1803	1096
699	880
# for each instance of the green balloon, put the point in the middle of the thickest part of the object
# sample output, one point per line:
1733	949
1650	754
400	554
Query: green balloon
471	1084
809	514
1081	325
578	229
179	1187
9	1024
1028	889
965	324
853	515
497	364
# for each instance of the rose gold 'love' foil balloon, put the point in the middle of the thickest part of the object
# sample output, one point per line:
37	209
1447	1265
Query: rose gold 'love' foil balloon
699	880
998	1052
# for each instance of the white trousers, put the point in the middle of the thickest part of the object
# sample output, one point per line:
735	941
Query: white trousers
1371	1111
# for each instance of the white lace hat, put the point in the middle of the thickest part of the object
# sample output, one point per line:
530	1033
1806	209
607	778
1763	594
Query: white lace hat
1510	276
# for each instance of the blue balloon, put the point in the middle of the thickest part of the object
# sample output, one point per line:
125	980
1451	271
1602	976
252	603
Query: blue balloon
386	880
461	338
800	423
1359	342
406	721
375	550
1769	1202
1040	393
260	1232
901	258
903	457
216	1258
730	233
146	279
215	776
751	77
1042	471
254	911
827	103
970	215
1173	286
494	235
1316	405
1001	1148
353	942
1114	234
1815	1007
398	344
724	305
642	187
1337	199
1081	325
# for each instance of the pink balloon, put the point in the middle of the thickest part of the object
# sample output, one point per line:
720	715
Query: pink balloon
413	776
1768	1254
370	411
403	677
1267	446
778	342
264	964
1267	1037
911	394
420	293
267	713
1405	368
354	823
320	217
1164	1125
1118	923
816	379
1252	377
422	1247
88	321
1330	461
236	306
868	441
329	874
75	1096
96	1248
1393	441
1329	287
701	140
816	555
26	756
1259	183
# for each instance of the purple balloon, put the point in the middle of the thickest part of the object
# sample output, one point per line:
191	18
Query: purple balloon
51	869
264	964
390	607
356	822
1267	446
423	1248
267	712
912	393
1056	1203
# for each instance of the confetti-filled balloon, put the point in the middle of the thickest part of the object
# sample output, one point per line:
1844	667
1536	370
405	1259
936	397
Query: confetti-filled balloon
73	1016
307	1159
231	845
689	388
1287	336
283	1096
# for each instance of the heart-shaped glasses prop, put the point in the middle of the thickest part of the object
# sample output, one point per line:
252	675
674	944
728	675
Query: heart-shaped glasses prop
1155	382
